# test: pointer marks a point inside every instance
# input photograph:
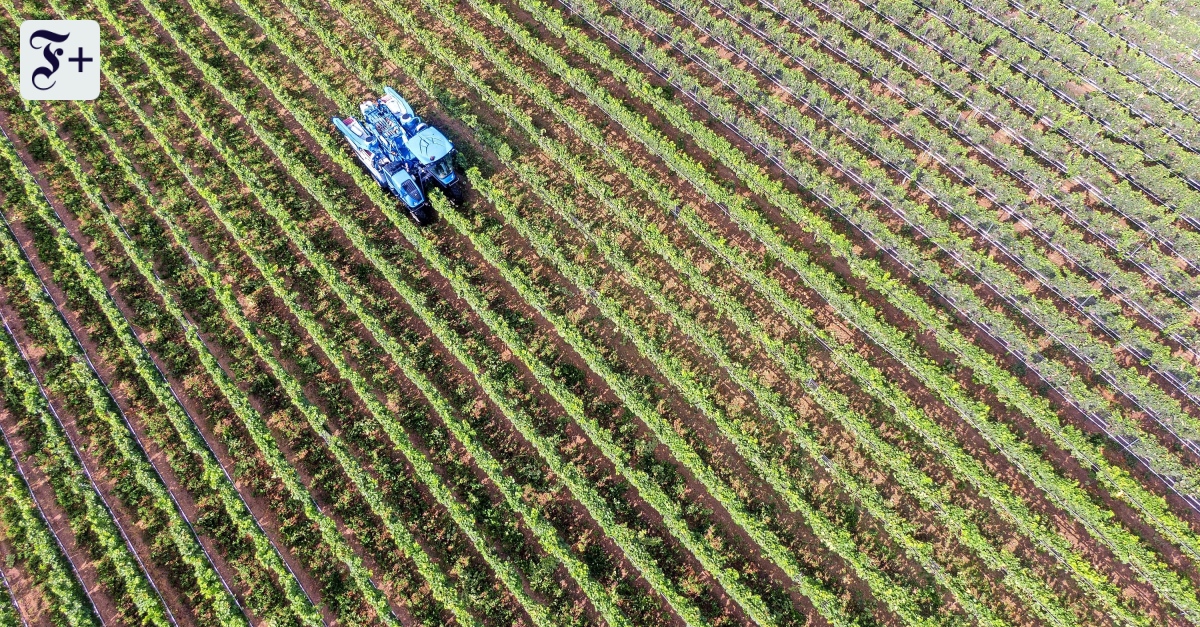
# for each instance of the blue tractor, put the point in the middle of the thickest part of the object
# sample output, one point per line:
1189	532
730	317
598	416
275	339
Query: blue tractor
402	153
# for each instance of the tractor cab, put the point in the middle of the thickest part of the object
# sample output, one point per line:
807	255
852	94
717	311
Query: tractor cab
435	153
427	145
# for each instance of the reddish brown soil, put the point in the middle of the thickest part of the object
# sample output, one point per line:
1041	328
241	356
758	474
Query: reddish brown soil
154	451
414	391
56	517
448	290
726	458
32	605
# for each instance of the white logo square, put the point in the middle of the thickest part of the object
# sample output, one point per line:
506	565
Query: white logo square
60	60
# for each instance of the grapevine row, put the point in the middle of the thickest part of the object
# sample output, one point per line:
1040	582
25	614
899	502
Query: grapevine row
1137	249
353	301
1042	61
868	376
573	479
833	404
67	473
1163	33
645	485
1045	81
215	474
1119	483
510	489
618	159
253	422
211	585
442	588
1047	226
583	420
397	18
407	543
1097	525
1052	27
1158	459
1000	234
10	609
1031	97
36	543
770	404
114	545
1174	24
1134	62
1017	122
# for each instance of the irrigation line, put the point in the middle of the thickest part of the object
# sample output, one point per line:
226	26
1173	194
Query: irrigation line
20	471
1020	67
983	233
1087	47
91	481
1018	101
915	69
1111	242
182	407
190	324
13	597
87	473
1028	144
1092	416
829	349
1138	47
1111	379
121	412
824	460
1186	145
1080	306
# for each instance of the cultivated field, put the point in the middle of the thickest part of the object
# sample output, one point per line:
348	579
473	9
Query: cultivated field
780	312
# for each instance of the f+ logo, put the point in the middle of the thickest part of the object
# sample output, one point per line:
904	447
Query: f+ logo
44	44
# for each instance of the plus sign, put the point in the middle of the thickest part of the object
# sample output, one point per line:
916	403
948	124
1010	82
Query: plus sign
80	59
